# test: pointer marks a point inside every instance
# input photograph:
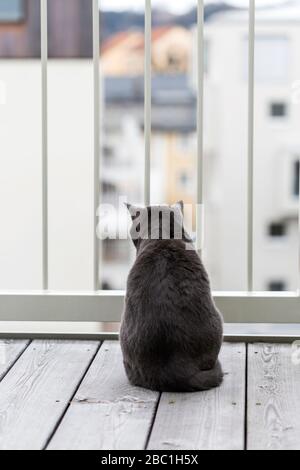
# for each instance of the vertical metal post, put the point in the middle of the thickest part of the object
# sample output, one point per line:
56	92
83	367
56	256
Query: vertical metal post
299	233
44	65
200	146
251	83
148	93
96	63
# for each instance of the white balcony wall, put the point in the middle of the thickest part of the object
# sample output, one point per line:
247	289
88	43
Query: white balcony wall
20	175
70	175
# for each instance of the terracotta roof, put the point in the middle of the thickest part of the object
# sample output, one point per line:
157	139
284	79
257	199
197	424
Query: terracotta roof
118	38
157	33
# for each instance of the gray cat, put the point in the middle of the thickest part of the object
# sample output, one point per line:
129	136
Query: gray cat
171	331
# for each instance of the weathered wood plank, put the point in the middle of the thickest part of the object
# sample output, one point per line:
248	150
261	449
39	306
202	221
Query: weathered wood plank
10	351
205	420
273	398
107	412
35	392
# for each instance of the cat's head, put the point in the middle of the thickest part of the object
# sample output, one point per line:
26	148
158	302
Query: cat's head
157	223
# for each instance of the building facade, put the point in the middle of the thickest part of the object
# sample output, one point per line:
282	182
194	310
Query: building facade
69	29
124	53
277	148
173	153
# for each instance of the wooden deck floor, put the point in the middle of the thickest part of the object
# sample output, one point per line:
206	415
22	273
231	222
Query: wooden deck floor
74	395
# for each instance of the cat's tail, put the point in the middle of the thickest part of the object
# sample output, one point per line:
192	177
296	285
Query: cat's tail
207	379
200	381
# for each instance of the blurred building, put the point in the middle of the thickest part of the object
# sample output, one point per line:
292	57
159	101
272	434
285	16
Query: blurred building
123	53
173	152
277	147
71	142
69	29
173	128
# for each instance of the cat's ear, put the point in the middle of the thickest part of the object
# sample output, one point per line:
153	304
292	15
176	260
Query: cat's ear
129	206
134	211
180	205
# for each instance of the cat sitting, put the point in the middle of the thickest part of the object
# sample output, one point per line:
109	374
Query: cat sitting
171	331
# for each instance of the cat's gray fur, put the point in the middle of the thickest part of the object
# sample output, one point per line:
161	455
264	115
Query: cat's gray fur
171	331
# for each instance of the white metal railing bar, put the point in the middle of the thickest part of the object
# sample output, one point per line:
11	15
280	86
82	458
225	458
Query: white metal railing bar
200	149
44	66
251	83
100	306
298	290
107	306
148	96
96	63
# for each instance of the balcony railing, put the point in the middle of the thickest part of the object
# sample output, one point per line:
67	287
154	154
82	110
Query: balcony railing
106	306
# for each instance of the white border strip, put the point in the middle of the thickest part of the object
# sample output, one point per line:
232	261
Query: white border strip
44	66
148	95
251	83
236	307
96	63
200	128
299	238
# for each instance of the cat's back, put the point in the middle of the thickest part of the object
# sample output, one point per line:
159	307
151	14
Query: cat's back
166	266
160	255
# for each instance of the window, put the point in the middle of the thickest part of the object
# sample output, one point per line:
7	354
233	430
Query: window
272	59
184	142
174	60
109	188
108	152
185	181
11	11
106	285
277	286
277	229
116	251
296	180
278	110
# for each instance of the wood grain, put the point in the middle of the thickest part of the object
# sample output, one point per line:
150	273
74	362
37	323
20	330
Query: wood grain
10	351
107	412
273	398
36	391
212	420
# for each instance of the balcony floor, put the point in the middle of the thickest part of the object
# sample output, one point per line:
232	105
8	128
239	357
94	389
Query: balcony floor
74	395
